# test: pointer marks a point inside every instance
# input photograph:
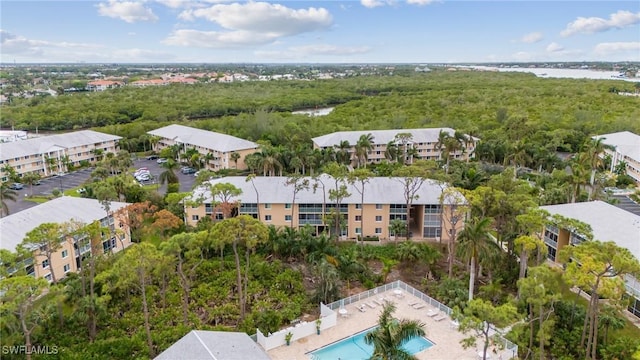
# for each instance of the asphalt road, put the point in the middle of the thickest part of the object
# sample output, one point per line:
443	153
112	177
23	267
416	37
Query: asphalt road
77	178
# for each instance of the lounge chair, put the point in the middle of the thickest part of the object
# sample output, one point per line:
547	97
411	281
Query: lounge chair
371	305
440	317
414	302
432	312
361	308
377	302
419	306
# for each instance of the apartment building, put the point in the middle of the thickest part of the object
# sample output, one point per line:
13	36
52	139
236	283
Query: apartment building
68	258
216	148
625	147
47	155
383	202
608	223
417	143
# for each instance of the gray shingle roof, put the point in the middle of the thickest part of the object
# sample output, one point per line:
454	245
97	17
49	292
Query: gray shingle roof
273	189
380	136
206	139
626	142
608	222
45	144
14	227
214	345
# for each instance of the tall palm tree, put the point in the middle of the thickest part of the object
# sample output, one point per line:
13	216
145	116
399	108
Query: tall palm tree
475	243
6	194
391	152
234	156
363	146
593	149
387	339
404	139
343	154
169	174
439	145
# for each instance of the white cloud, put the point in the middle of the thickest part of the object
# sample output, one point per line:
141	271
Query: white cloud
19	45
611	48
531	38
554	47
421	2
376	3
591	25
522	56
128	11
249	23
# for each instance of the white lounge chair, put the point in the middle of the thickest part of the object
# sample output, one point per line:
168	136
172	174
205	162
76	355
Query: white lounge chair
371	305
432	312
419	306
377	302
361	308
440	317
414	302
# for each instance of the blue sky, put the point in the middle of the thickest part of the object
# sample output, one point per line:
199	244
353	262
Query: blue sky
365	31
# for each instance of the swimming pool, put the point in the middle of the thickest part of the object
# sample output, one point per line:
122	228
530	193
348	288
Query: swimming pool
354	348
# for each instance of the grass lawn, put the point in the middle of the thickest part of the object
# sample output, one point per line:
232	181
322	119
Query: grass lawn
37	199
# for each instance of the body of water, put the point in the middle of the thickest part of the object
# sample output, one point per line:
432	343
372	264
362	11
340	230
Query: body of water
561	73
315	112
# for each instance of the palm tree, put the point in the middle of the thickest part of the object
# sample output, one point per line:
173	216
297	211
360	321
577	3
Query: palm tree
30	179
475	243
343	155
387	339
234	156
404	139
363	146
169	175
391	152
594	148
6	194
442	138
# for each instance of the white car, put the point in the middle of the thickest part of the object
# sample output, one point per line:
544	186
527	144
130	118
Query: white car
162	160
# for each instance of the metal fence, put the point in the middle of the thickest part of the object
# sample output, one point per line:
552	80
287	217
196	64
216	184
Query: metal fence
511	348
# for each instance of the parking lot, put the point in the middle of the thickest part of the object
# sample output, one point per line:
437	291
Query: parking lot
77	178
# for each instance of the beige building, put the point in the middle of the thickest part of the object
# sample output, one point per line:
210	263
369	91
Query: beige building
626	147
424	141
68	258
383	202
47	155
608	223
219	146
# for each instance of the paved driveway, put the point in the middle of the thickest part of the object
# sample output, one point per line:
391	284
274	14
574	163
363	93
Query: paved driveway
77	178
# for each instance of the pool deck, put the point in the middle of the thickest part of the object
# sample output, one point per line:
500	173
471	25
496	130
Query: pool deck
443	334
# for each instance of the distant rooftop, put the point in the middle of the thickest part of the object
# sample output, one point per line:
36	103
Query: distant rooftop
206	139
625	142
608	222
214	345
15	227
380	136
45	144
273	189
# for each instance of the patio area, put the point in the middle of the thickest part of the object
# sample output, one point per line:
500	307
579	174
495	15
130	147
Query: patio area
359	313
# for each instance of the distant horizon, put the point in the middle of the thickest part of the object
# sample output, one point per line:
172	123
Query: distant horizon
322	32
632	62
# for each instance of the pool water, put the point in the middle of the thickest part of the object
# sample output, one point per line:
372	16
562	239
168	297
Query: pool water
354	348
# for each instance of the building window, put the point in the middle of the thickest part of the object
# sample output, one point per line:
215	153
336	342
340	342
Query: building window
195	217
358	206
48	277
287	206
267	206
378	206
378	231
67	268
45	263
358	231
378	218
358	218
65	253
287	218
267	218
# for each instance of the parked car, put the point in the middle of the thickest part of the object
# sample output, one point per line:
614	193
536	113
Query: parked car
188	170
37	182
16	186
161	161
152	157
